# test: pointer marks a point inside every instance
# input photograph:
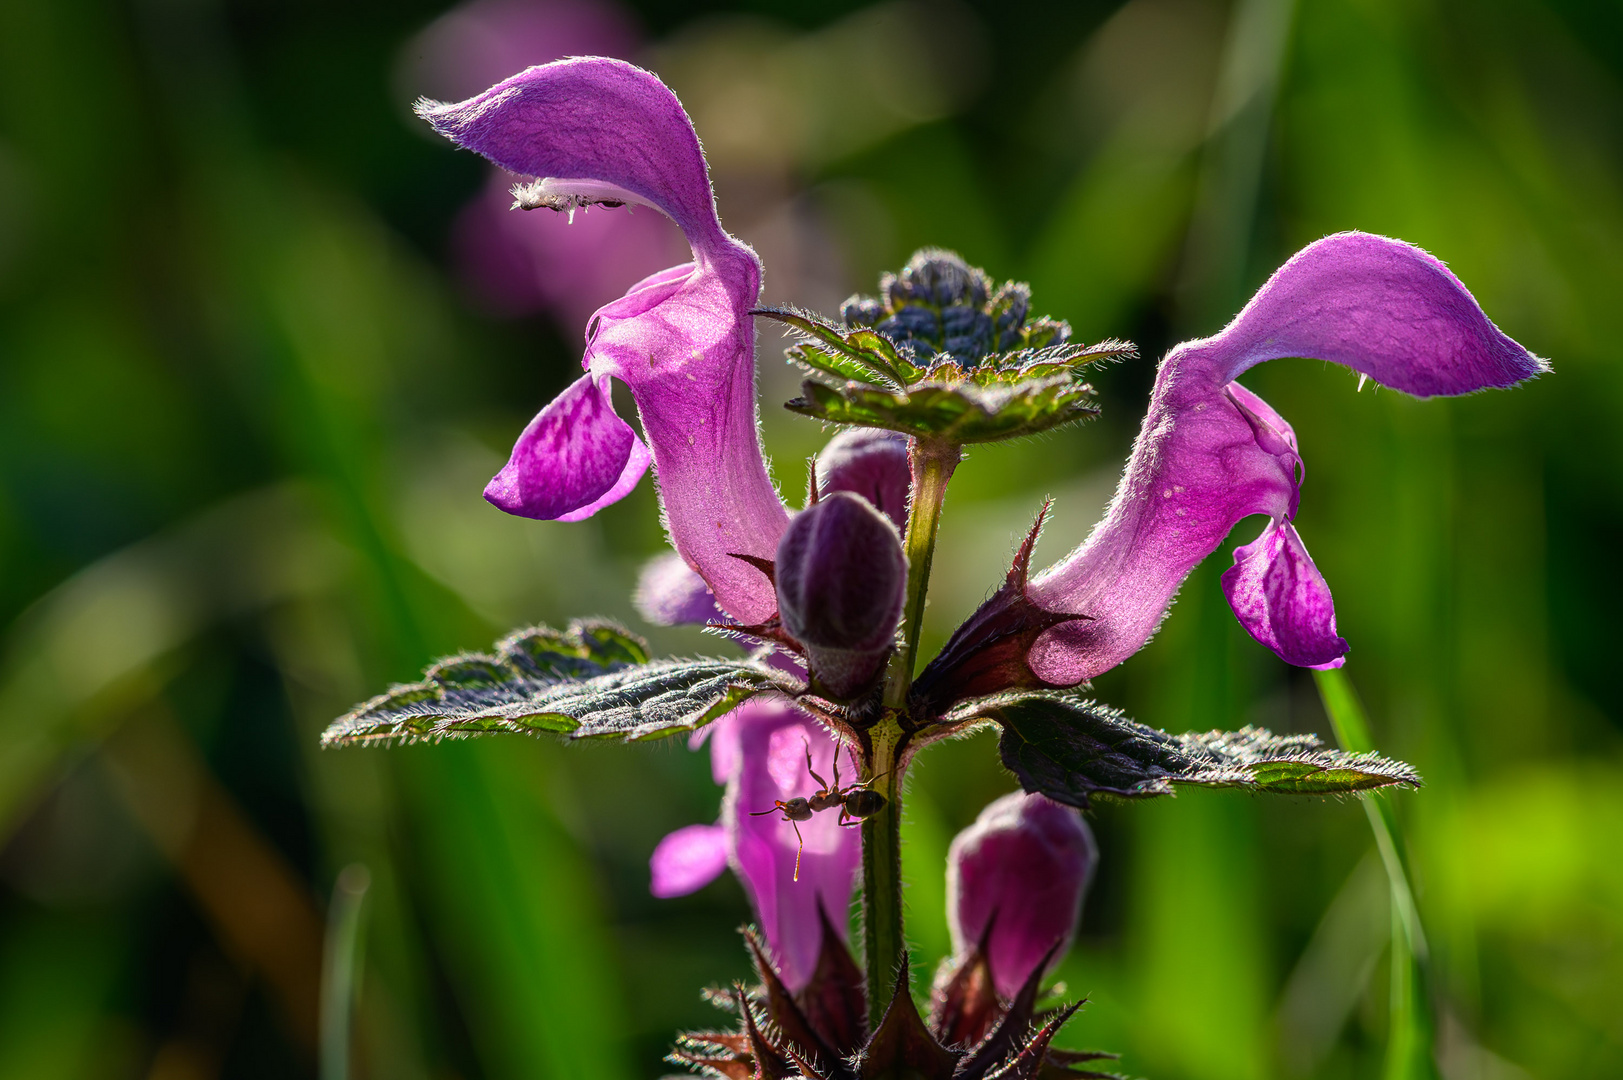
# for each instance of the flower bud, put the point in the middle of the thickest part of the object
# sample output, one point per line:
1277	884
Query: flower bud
842	579
870	462
1023	868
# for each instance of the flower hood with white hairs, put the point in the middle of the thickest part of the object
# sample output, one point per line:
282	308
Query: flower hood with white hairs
595	131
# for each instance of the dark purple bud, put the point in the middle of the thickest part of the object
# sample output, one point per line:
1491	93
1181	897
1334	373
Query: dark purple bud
842	579
870	462
968	332
935	276
1023	867
916	325
859	310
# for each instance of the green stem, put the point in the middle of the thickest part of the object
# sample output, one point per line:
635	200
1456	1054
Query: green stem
882	941
933	465
882	936
1408	1048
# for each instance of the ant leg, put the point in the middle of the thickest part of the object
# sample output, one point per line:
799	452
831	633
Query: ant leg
820	781
799	849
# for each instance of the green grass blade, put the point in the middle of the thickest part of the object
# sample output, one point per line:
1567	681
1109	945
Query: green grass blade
340	969
1409	1038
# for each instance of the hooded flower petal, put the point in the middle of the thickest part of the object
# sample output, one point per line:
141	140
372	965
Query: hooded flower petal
688	859
1210	452
771	766
602	131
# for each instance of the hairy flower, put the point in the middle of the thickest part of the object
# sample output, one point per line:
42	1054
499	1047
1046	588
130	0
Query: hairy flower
870	462
1210	452
760	751
595	131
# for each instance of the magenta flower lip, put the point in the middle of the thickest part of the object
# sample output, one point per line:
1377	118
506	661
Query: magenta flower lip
759	751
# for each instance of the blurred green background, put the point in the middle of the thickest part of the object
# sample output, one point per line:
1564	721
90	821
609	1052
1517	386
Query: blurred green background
257	360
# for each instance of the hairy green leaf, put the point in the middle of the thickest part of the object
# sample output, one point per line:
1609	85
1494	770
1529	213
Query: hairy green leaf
1071	750
592	681
959	412
860	355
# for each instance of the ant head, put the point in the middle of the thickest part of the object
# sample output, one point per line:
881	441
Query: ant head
797	809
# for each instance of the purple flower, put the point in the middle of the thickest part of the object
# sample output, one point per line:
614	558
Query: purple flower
759	750
669	593
1211	452
1022	869
598	131
841	581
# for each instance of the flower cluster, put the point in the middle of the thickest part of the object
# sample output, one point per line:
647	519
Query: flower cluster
831	595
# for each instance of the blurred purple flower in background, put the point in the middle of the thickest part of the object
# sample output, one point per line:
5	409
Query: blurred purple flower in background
1022	870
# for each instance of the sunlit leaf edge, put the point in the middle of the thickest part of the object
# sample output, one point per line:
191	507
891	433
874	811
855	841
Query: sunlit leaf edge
591	681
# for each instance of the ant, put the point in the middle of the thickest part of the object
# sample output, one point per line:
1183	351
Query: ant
855	802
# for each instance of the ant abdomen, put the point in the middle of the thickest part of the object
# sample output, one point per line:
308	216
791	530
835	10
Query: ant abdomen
863	802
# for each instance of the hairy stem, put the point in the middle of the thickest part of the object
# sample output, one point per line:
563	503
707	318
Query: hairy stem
933	464
882	941
882	936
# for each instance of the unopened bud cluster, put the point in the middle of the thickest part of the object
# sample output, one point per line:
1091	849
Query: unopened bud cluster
939	304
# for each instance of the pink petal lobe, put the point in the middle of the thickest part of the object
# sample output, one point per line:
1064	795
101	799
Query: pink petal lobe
1280	597
573	459
687	860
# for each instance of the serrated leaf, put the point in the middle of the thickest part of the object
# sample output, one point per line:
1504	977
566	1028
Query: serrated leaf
1071	750
959	412
860	355
841	365
591	681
